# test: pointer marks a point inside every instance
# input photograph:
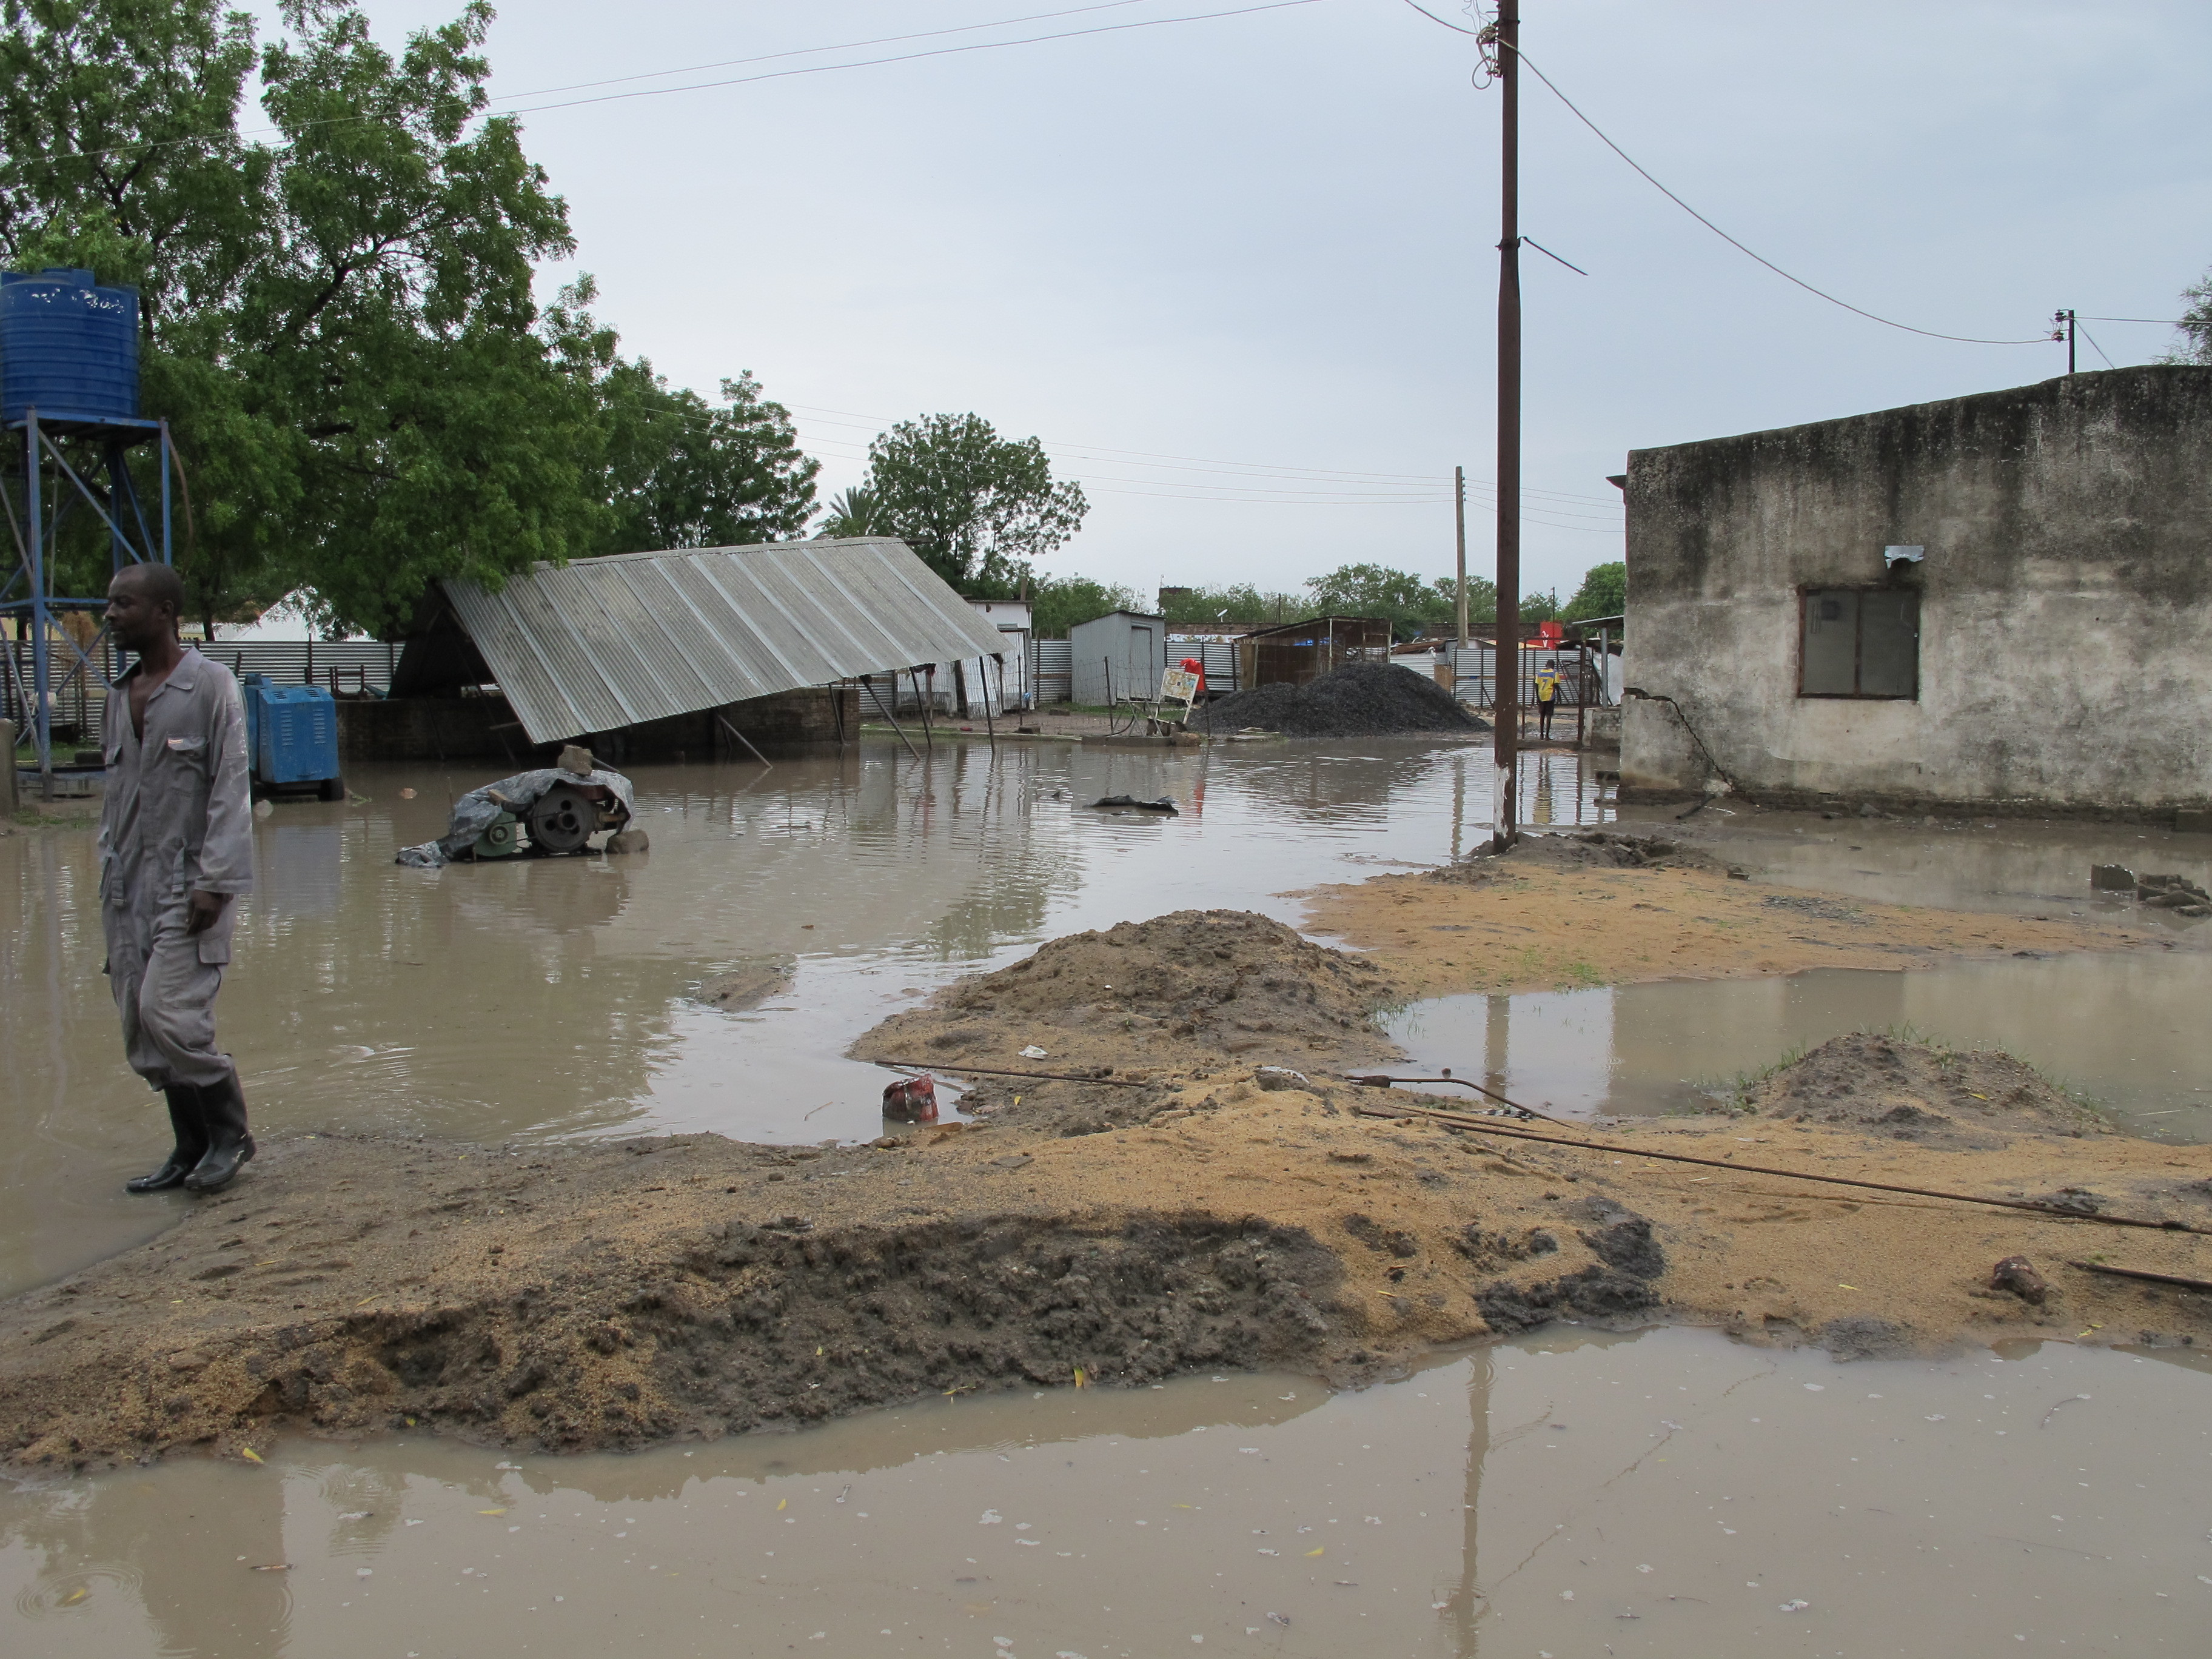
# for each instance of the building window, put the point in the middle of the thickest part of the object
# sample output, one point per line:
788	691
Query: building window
1859	643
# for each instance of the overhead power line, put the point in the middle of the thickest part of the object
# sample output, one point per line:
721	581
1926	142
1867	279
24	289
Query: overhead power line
1886	322
53	154
1645	172
809	51
915	56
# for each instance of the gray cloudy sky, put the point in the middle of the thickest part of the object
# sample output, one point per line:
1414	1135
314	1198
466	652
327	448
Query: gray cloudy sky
1238	275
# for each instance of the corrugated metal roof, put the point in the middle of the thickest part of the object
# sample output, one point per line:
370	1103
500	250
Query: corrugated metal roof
603	643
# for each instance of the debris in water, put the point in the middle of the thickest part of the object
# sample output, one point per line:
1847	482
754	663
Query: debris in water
911	1100
1130	803
2017	1274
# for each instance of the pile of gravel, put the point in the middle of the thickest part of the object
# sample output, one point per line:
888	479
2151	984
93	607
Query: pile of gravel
1359	700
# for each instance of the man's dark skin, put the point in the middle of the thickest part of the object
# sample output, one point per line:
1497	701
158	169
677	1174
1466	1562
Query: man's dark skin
147	628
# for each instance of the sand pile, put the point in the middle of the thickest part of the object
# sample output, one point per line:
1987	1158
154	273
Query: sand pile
1359	700
1192	990
1917	1091
1584	849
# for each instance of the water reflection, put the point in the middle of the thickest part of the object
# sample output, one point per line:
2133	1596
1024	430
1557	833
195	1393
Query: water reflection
1668	1492
2124	1030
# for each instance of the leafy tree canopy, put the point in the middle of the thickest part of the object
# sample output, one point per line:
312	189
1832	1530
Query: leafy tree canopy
2195	345
1604	592
339	324
980	509
1413	603
1058	602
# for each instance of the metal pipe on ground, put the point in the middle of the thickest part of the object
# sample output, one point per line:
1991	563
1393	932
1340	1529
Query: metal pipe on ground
2049	1212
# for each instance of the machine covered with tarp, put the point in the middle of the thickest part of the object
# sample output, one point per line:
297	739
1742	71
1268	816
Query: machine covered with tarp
549	811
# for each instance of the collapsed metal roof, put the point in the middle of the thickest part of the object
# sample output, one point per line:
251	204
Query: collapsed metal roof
603	643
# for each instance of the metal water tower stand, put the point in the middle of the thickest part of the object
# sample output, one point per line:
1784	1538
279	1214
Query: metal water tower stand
58	467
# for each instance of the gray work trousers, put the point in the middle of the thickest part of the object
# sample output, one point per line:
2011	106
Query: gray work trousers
165	993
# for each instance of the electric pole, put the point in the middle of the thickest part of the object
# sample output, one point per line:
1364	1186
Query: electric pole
1506	706
1459	525
2062	328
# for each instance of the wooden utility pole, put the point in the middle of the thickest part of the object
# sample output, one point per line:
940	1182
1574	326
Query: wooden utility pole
1459	523
1507	703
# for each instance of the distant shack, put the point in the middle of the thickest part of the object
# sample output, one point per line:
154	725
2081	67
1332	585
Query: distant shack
1298	653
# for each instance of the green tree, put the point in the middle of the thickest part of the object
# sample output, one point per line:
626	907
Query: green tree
340	325
1058	602
1239	604
1604	592
682	472
2195	346
979	509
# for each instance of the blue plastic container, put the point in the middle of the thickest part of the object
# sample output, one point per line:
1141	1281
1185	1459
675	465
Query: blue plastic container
291	735
67	346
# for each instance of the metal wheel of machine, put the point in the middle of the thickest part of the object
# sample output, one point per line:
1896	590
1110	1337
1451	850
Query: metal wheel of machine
563	819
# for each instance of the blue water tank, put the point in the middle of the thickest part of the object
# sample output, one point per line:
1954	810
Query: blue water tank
291	734
67	346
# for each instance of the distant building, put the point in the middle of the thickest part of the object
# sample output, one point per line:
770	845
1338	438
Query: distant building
1999	602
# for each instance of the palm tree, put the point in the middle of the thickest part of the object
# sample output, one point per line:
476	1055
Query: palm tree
854	512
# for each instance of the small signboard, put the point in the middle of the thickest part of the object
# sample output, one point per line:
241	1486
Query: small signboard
1178	685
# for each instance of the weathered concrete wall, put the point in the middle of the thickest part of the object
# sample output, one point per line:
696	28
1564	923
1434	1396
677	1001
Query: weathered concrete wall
430	728
2066	600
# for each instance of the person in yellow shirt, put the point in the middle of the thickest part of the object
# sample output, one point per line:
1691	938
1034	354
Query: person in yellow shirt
1548	697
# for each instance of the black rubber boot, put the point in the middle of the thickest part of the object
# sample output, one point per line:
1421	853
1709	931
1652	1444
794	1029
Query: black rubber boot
192	1142
223	1109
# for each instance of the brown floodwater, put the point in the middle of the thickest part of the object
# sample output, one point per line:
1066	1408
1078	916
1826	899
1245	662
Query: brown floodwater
546	997
1568	1494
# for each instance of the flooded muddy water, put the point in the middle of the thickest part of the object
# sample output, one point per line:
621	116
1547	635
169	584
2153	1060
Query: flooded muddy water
1669	1493
555	996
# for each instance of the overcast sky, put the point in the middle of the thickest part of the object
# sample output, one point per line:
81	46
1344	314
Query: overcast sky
1238	275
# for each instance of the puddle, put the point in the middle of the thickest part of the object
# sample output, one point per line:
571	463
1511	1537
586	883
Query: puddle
2126	1030
1666	1493
2025	866
548	997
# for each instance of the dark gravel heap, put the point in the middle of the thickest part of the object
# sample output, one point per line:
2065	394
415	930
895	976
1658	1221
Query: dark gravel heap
1359	700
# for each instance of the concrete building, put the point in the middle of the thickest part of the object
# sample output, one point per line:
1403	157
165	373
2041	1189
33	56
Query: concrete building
1120	654
2000	602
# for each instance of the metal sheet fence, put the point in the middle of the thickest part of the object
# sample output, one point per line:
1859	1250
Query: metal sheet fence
79	699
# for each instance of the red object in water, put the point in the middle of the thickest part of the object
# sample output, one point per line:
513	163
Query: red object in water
911	1100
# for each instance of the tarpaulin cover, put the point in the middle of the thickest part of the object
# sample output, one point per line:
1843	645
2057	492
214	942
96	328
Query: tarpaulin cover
475	812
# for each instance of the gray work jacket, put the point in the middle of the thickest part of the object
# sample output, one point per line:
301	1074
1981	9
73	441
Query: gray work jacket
178	814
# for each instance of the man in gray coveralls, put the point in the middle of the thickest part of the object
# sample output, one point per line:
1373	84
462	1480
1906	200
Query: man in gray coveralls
176	847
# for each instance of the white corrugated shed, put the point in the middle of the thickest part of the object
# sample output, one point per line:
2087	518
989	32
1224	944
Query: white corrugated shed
600	644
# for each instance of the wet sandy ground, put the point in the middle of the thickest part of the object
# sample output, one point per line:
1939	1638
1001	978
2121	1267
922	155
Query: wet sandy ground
1670	1494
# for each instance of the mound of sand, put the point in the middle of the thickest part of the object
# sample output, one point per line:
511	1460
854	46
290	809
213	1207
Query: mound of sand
1916	1092
1184	990
1585	849
1359	700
